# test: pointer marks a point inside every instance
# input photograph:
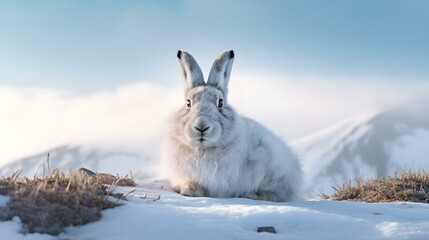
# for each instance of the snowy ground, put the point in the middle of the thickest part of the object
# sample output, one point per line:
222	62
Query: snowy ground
177	217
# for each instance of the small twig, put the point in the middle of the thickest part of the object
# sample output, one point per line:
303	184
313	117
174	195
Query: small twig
49	166
132	191
158	198
382	193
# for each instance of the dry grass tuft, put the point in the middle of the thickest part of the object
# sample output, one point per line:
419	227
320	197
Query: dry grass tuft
404	186
51	203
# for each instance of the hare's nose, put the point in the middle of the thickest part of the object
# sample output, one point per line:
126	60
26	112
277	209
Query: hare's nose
201	124
202	128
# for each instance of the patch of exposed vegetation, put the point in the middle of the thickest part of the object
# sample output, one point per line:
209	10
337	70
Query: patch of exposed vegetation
404	186
51	203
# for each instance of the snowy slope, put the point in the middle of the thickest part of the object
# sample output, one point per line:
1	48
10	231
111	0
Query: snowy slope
372	144
178	217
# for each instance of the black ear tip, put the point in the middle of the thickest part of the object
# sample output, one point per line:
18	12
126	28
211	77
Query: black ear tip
179	54
231	54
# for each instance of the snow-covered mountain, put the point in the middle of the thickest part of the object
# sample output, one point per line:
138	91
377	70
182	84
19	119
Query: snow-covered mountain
370	145
67	158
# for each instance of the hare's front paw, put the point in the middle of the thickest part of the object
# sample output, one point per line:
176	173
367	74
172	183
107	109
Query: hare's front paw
193	189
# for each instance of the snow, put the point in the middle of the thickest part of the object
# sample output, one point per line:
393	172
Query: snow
177	217
10	230
3	200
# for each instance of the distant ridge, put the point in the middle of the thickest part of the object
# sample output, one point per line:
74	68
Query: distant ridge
373	144
67	158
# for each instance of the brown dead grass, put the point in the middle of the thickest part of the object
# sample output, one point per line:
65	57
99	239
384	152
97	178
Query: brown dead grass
51	203
406	186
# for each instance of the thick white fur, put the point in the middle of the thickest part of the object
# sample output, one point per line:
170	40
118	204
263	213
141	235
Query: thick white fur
235	156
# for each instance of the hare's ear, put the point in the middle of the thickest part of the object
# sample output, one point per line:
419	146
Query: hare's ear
191	72
221	70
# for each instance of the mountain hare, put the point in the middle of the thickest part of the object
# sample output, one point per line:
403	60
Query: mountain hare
211	151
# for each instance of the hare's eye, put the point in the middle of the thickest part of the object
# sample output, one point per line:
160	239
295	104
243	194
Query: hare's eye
220	103
188	103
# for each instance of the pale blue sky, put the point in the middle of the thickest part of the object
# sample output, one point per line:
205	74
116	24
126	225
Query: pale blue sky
84	46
